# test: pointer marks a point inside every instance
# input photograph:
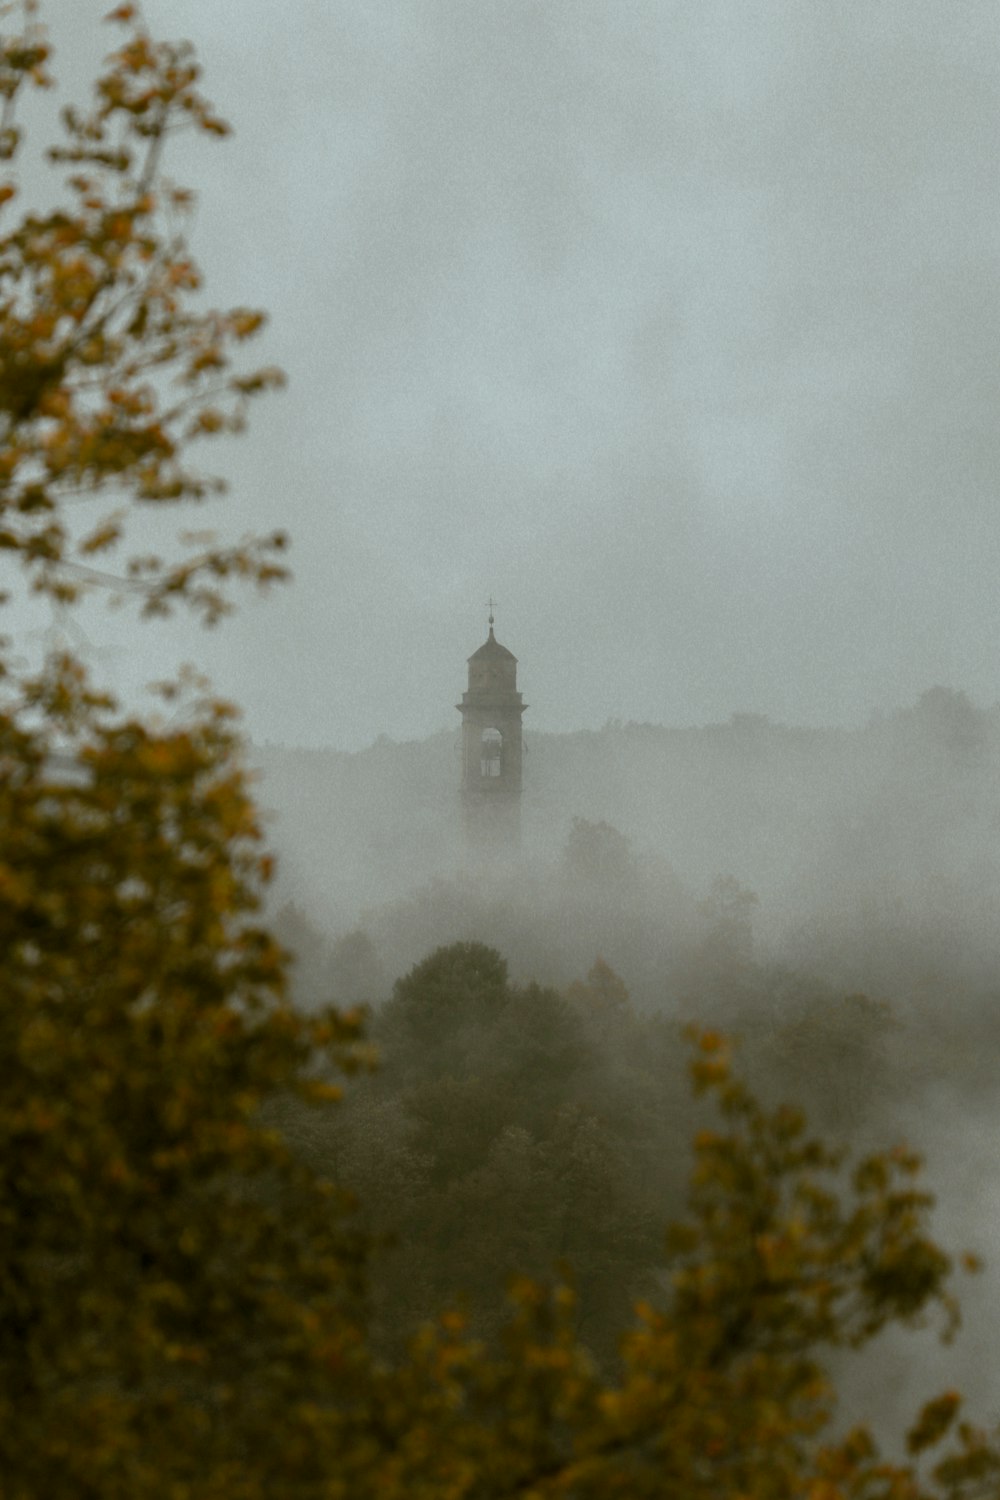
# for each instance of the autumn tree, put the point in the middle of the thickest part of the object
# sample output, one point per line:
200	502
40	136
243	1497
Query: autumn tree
109	375
171	1278
787	1254
182	1294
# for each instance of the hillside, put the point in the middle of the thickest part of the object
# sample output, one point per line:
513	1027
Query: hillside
891	826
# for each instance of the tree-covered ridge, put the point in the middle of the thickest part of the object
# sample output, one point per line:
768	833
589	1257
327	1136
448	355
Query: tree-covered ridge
842	834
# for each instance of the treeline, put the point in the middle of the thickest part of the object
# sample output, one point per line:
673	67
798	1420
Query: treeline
534	1114
872	852
520	1125
788	811
696	955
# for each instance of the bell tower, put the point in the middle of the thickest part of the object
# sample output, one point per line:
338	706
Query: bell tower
491	712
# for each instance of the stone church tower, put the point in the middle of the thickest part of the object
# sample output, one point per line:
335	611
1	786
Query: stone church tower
491	712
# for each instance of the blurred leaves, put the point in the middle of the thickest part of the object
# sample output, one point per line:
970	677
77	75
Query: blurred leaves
161	1247
108	373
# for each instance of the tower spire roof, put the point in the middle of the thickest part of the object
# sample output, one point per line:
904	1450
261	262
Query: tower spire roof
491	647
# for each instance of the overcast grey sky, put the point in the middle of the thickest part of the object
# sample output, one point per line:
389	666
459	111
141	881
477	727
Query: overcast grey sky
673	323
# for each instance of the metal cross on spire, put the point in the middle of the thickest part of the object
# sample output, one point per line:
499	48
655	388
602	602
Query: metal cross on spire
491	605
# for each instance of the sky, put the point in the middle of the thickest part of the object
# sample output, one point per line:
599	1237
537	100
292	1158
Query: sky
672	324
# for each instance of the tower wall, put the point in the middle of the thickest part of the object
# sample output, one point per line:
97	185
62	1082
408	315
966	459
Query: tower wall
492	750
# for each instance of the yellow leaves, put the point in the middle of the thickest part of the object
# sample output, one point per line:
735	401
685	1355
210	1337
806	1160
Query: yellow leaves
205	361
711	1043
709	1073
92	352
118	226
778	1254
40	1042
57	403
209	421
871	1175
245	322
164	758
907	1162
185	1354
711	1066
36	1118
138	56
132	401
226	1023
26	55
93	297
269	378
317	1092
182	275
934	1421
102	538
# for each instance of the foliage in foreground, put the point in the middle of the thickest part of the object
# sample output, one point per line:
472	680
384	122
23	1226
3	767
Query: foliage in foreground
183	1300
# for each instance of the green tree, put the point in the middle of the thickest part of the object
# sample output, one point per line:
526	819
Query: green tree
603	993
436	1005
727	913
598	854
356	973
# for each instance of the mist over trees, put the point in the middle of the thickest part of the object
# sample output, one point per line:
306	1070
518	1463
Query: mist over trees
871	852
862	979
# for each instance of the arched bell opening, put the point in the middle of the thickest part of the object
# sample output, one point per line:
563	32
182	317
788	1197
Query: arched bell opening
491	754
